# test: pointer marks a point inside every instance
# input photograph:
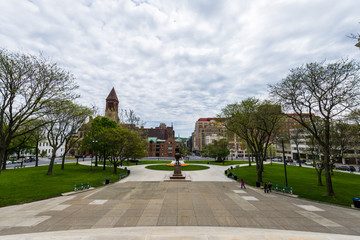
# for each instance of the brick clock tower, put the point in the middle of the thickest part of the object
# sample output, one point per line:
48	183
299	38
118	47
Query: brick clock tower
112	107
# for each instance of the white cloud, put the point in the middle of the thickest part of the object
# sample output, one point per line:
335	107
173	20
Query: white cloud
177	61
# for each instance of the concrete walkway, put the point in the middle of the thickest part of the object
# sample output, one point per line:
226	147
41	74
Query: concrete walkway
142	206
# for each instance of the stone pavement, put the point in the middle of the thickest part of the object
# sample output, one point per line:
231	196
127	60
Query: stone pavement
221	207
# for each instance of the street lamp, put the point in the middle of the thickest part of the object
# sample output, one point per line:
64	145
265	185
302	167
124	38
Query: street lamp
283	150
95	142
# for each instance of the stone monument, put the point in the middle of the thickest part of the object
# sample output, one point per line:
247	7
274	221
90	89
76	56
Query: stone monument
177	166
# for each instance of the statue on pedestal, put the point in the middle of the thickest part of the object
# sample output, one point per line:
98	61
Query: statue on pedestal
177	156
177	175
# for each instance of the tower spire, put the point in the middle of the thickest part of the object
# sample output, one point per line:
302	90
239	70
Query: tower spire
112	106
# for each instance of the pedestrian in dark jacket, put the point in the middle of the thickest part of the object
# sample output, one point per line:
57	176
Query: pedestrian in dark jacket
265	187
269	187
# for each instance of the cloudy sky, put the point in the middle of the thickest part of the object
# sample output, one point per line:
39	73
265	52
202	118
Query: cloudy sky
175	61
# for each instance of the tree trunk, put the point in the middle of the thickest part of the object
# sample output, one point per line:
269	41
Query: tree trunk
104	167
298	155
2	158
63	162
259	168
259	174
329	187
51	165
96	160
319	171
326	148
115	167
37	153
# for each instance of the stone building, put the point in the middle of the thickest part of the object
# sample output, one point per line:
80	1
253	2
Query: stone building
162	141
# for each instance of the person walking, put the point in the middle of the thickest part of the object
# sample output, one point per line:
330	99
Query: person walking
242	184
269	187
265	187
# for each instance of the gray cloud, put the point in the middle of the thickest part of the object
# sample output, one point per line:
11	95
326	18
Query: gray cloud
177	61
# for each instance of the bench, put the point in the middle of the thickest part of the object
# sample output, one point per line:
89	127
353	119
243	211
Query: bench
82	186
212	163
282	188
233	176
123	175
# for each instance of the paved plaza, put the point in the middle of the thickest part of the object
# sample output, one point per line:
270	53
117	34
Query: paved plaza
140	209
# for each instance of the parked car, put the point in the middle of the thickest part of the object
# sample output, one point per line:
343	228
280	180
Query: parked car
29	159
9	162
276	160
289	160
343	168
309	163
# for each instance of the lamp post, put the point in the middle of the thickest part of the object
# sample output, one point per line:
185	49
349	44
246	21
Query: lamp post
283	150
95	142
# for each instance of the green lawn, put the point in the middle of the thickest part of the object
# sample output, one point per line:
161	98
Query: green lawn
171	168
304	182
226	162
32	184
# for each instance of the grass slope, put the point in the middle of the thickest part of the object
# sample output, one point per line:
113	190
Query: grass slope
171	168
226	163
32	184
304	182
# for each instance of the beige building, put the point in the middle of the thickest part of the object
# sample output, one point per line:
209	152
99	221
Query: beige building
207	129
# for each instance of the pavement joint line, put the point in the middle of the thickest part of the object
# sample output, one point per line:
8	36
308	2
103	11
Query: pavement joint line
310	208
98	202
250	198
319	219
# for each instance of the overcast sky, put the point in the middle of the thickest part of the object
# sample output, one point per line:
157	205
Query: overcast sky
177	61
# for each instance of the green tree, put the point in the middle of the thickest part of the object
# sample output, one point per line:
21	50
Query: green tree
92	137
27	85
255	122
218	150
121	145
320	92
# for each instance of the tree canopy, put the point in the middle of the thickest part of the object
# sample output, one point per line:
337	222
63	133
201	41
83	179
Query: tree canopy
319	94
27	85
255	122
218	150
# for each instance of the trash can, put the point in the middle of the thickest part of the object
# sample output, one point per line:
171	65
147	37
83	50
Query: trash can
128	171
257	184
107	181
235	177
356	202
226	172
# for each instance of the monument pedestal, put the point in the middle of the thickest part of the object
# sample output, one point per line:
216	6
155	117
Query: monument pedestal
177	172
177	176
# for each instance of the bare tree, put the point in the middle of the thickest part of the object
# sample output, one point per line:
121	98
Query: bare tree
320	92
27	85
65	120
